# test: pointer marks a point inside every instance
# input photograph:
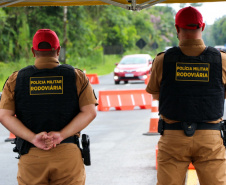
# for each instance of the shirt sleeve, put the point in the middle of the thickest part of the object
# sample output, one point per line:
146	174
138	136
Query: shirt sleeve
153	86
84	89
223	56
7	98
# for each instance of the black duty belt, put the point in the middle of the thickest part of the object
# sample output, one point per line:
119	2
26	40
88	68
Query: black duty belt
200	126
188	127
68	140
72	139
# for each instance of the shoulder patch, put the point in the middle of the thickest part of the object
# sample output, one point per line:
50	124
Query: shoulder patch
160	53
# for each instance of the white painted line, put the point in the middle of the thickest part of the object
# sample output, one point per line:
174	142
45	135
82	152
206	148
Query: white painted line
108	100
142	95
119	100
132	99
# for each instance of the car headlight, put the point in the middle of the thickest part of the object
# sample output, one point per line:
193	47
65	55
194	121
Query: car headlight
118	70
143	69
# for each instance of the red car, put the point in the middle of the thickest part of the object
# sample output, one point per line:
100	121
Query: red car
133	67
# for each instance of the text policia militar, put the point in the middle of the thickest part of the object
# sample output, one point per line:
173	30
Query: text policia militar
46	85
192	71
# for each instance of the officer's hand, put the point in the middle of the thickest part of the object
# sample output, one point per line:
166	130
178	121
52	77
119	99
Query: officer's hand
43	141
48	141
56	136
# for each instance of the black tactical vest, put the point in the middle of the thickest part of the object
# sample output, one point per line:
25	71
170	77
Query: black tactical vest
46	99
192	89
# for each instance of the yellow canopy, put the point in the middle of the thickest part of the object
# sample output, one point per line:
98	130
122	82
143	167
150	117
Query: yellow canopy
127	4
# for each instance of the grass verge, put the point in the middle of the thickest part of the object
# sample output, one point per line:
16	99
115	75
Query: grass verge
96	63
99	65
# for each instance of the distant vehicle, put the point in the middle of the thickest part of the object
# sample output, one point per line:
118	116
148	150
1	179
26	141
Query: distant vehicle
133	67
220	47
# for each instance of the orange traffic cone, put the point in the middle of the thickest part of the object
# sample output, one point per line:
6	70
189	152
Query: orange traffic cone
153	128
191	167
11	137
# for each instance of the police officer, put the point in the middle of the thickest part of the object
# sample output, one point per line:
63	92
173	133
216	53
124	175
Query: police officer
189	82
52	103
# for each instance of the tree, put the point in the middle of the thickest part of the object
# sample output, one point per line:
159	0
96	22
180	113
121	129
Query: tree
88	28
218	32
163	22
3	34
208	36
117	27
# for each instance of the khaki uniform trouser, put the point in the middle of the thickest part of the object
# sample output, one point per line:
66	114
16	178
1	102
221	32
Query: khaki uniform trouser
204	149
62	165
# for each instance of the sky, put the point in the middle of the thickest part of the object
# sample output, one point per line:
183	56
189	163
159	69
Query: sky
209	11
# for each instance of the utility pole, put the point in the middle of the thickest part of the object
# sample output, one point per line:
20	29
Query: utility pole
63	49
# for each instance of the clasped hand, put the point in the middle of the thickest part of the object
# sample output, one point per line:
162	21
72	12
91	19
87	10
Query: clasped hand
47	141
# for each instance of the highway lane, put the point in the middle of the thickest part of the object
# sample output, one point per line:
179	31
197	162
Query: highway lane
120	153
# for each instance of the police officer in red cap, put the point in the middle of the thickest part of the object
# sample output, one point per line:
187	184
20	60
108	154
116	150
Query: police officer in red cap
189	81
52	103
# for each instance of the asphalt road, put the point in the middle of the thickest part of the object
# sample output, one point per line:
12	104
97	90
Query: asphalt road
120	153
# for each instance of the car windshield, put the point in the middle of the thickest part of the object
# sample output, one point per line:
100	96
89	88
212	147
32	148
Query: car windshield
133	60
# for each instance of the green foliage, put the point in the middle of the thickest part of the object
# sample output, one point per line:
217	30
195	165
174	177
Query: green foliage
218	31
208	36
88	29
96	64
163	33
24	37
117	27
45	17
8	68
5	30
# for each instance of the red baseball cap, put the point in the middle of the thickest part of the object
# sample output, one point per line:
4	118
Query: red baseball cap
46	35
189	18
